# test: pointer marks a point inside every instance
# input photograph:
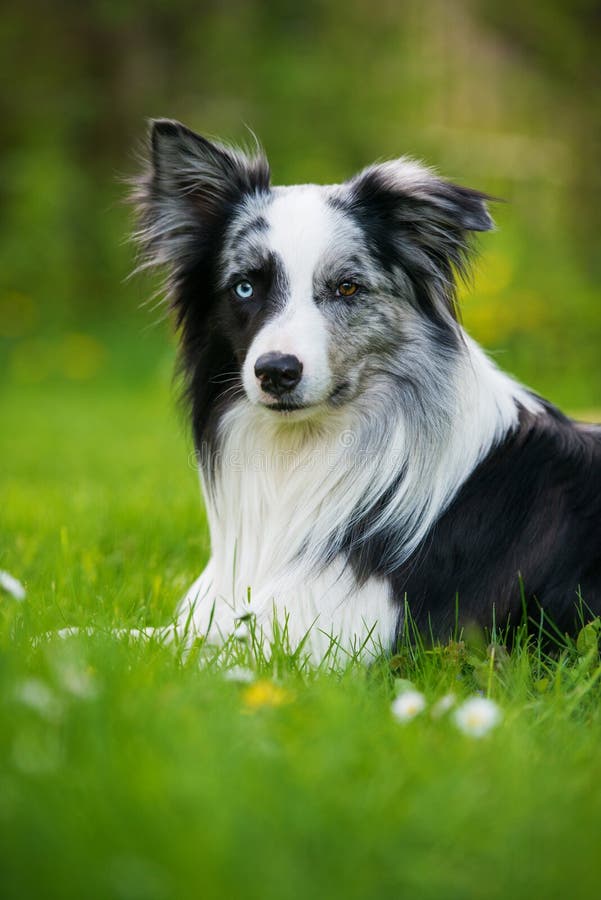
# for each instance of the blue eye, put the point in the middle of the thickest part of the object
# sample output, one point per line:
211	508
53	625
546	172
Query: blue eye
244	290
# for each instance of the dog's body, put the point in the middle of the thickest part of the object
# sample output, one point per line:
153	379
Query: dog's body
358	451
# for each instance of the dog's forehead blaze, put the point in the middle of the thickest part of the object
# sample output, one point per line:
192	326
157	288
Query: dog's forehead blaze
303	229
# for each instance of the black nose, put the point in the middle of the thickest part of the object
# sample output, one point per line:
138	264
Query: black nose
279	373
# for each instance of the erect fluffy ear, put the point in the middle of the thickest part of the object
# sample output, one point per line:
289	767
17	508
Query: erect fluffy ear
188	188
419	221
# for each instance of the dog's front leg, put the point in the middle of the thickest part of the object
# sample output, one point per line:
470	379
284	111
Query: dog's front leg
205	613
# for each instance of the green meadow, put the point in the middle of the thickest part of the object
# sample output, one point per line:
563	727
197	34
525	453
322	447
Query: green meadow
131	770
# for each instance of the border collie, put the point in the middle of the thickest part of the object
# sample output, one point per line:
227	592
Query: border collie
359	454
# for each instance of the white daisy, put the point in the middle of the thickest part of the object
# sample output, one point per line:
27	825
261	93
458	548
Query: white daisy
477	716
442	706
12	585
37	696
408	705
78	680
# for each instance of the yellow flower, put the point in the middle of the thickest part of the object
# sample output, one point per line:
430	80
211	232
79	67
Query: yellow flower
265	693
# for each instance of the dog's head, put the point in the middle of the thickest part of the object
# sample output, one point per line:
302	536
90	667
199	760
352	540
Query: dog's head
302	298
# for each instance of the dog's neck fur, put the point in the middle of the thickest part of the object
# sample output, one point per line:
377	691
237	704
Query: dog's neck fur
288	494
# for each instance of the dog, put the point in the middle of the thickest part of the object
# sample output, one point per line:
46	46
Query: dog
360	455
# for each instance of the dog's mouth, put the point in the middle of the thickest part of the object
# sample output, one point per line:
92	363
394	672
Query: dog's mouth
335	398
282	406
340	393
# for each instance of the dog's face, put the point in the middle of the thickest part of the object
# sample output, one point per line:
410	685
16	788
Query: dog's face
299	290
306	296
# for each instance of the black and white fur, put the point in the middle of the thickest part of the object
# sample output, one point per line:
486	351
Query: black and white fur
403	466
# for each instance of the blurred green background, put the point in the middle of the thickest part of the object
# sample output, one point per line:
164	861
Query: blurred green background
124	773
498	95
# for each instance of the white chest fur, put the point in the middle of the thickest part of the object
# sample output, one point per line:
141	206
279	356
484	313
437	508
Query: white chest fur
269	512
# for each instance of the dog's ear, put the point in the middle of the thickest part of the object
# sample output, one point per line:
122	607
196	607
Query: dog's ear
189	186
419	220
408	191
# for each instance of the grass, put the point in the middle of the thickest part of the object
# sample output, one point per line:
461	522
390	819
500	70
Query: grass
129	772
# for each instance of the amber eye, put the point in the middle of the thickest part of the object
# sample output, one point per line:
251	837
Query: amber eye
347	288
